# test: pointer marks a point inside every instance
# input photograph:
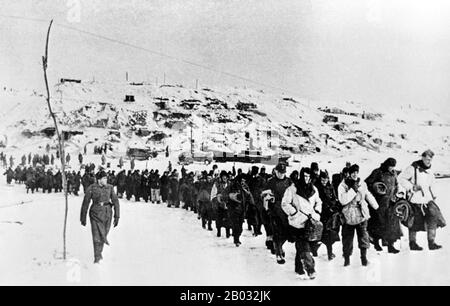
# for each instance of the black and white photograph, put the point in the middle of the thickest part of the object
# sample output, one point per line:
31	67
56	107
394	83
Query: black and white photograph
224	144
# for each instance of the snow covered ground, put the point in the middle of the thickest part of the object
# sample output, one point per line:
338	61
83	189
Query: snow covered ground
156	245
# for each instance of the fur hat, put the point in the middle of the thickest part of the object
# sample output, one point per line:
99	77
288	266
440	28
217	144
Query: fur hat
428	153
324	175
101	175
223	173
281	168
354	168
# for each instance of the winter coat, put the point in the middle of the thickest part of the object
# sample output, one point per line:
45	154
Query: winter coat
9	175
330	203
31	180
174	189
154	182
293	205
414	174
219	204
277	188
217	194
236	202
256	185
362	199
187	192
99	214
204	199
383	222
57	180
329	216
77	179
121	180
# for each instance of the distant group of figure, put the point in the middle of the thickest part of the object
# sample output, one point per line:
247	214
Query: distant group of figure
102	149
308	208
34	160
35	178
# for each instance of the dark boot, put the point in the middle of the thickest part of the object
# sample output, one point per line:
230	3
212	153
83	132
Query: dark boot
209	226
330	254
314	249
413	246
273	251
219	232
227	232
203	223
279	252
98	249
312	275
346	261
236	241
377	245
433	246
269	246
392	249
364	260
280	260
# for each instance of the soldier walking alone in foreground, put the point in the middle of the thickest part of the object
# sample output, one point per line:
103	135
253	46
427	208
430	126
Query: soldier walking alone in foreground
103	200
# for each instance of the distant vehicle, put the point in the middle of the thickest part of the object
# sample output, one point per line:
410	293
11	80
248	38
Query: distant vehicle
141	153
186	158
252	157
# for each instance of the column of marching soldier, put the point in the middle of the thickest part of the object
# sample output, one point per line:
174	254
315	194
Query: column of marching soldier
306	208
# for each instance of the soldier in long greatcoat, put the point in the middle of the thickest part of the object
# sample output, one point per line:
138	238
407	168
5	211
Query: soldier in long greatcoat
104	201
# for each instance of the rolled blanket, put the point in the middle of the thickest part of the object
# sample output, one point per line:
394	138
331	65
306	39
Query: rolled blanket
380	188
404	212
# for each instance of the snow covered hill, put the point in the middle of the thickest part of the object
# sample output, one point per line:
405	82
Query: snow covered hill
222	119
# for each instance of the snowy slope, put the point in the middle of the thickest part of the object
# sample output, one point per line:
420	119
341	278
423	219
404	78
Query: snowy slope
220	117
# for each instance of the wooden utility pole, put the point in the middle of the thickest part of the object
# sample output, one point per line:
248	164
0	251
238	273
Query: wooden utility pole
192	142
60	140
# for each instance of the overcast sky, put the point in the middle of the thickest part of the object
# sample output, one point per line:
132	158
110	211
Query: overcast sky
386	51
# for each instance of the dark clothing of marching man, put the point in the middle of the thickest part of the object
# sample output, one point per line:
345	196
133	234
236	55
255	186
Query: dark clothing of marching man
103	200
174	186
301	202
9	176
220	204
273	194
155	186
418	180
355	199
238	198
256	187
256	184
384	224
330	209
164	184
